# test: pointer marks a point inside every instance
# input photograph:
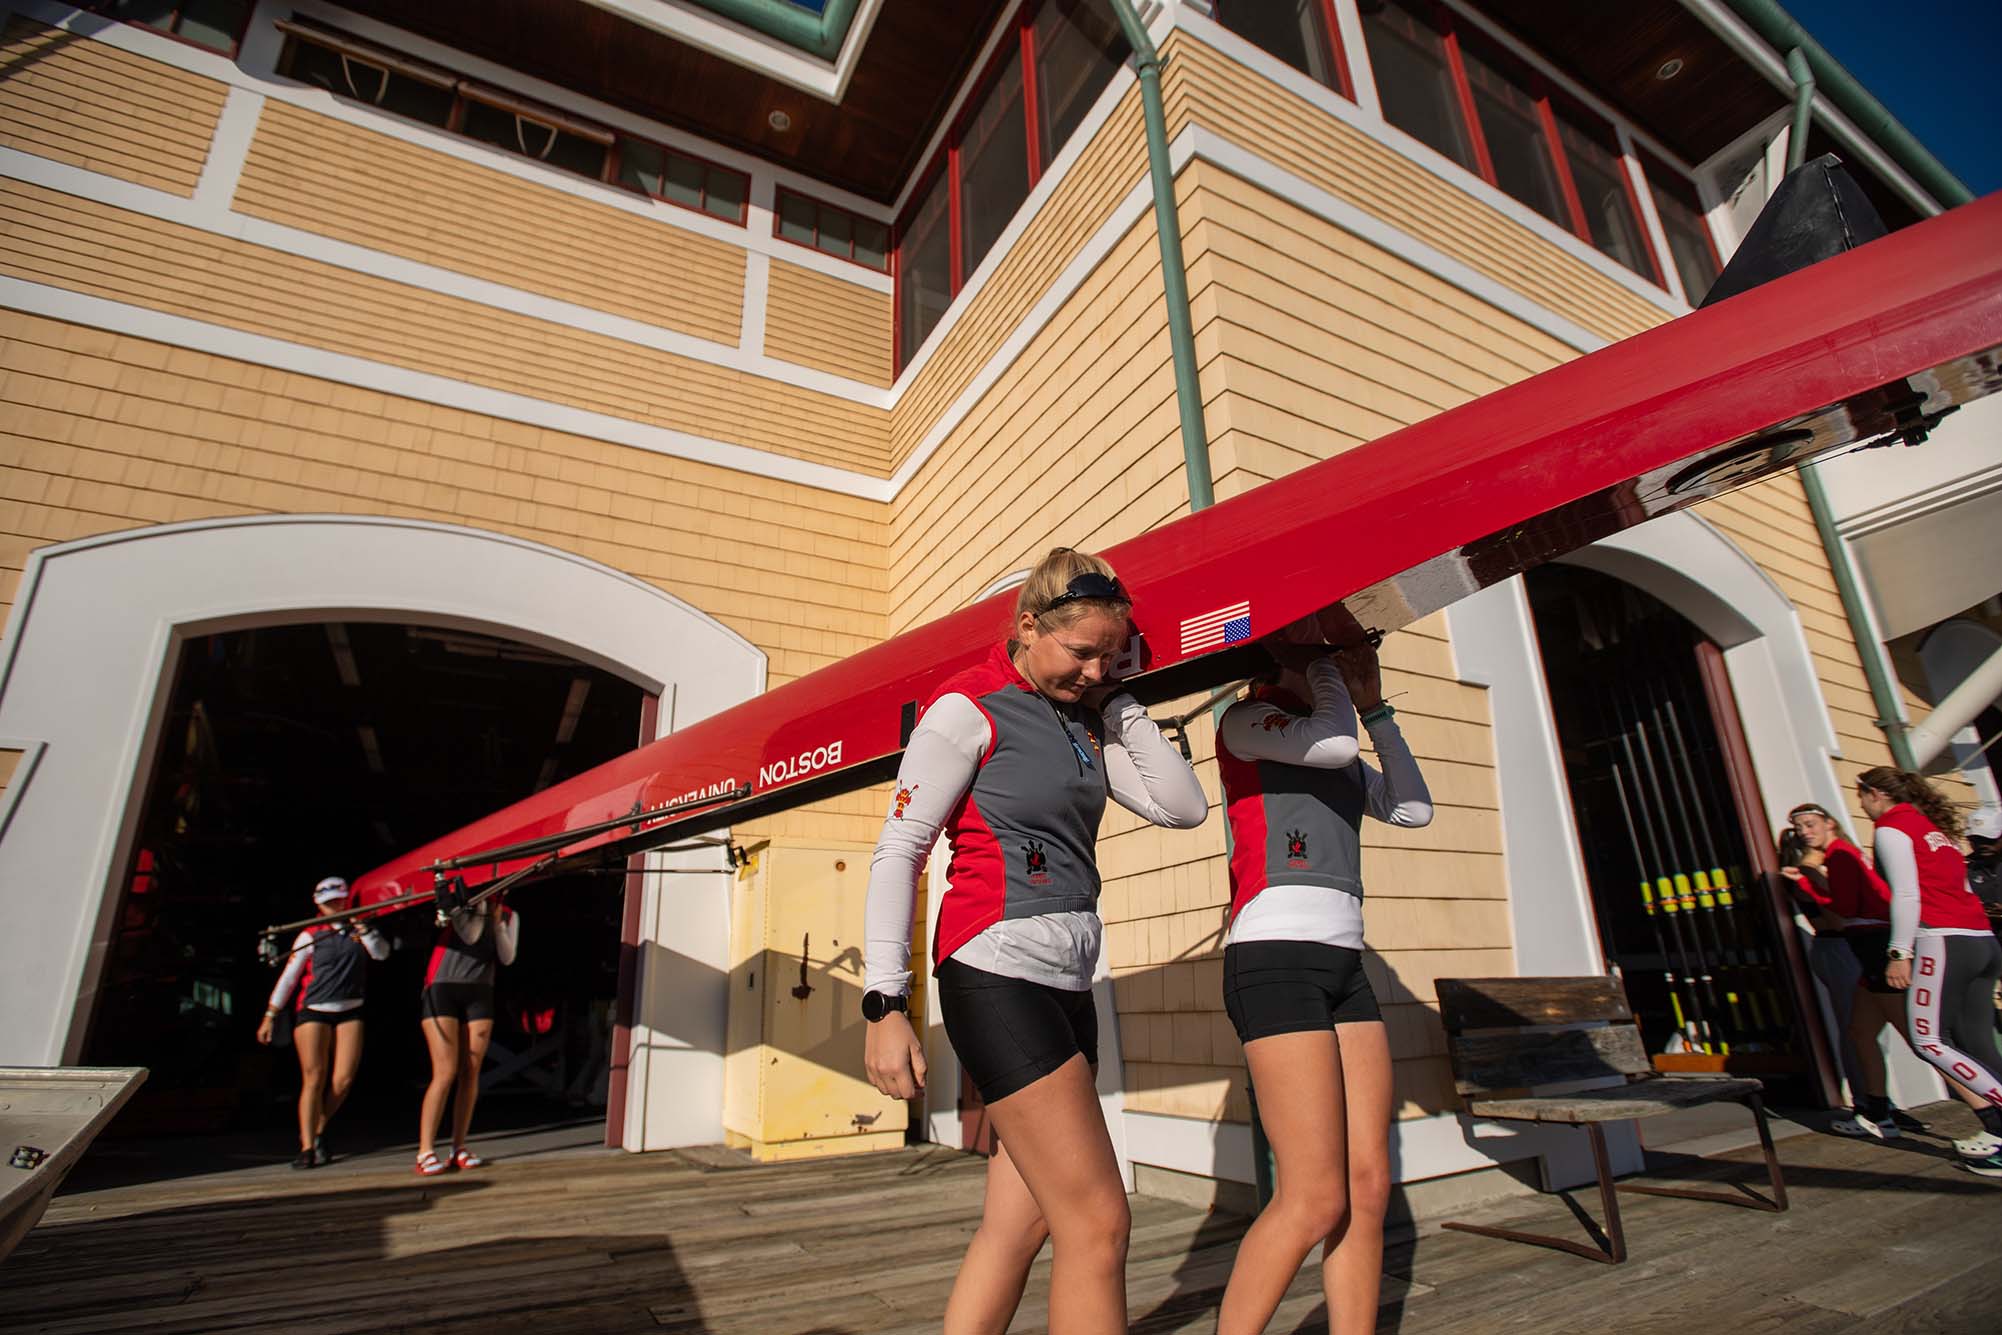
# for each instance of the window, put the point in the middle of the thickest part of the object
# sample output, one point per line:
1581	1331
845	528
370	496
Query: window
924	267
1611	218
1483	109
1303	33
1077	46
833	231
1049	70
1415	81
215	24
1513	133
1689	244
680	179
363	72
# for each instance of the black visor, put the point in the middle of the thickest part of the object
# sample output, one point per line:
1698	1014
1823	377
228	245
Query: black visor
1089	586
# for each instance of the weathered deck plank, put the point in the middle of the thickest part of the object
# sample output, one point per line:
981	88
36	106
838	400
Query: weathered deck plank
1893	1236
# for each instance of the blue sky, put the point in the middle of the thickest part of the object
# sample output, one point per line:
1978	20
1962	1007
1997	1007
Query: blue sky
1937	64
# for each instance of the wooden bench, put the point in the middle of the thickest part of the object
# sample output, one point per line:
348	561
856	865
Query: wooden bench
1567	1050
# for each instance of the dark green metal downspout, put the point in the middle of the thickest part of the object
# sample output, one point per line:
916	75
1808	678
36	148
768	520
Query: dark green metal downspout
1174	278
1779	30
1876	664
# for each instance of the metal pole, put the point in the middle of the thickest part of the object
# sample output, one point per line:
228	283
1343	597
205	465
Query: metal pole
1174	278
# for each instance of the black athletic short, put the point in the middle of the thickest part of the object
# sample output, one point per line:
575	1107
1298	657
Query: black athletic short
458	1001
308	1015
1009	1033
1869	945
1291	987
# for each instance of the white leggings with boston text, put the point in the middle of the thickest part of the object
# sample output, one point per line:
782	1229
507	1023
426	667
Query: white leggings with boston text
1950	1009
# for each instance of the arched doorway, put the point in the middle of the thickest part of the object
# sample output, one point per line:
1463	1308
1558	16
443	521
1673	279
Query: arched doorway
289	753
85	682
1666	810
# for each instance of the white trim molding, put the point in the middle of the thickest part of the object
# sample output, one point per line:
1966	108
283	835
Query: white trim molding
86	669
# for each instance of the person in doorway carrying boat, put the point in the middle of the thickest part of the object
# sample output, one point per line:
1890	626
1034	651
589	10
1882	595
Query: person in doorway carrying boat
458	1023
1296	791
1851	917
326	981
1942	954
1013	760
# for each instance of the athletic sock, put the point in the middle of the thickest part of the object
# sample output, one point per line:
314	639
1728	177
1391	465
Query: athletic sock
1991	1120
1876	1107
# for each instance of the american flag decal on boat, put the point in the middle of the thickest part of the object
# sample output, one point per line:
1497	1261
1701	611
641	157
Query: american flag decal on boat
1226	625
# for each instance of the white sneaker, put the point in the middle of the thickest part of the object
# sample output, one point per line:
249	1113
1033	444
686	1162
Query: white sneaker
1858	1125
1989	1167
1981	1145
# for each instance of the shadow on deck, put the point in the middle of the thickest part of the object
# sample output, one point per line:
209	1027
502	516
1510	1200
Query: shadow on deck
1896	1237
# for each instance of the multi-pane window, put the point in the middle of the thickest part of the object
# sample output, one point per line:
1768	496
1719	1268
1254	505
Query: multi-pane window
1050	69
215	24
420	91
833	231
1689	243
1303	33
1485	111
1415	82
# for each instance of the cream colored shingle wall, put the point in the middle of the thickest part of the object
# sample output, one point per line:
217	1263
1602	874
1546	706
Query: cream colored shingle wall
827	324
335	179
90	105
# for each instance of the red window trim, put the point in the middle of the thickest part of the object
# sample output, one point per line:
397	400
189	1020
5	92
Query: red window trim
1652	169
1463	89
778	205
1337	51
1587	119
615	165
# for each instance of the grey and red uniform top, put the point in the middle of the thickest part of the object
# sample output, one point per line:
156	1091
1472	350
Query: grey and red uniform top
1928	879
472	946
1017	783
1856	894
328	969
1296	791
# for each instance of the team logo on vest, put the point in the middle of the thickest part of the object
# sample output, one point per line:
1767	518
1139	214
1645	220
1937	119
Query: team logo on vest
1935	841
1296	849
904	796
1276	721
1038	862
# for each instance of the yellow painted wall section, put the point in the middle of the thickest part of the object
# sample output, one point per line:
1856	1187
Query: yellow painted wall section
1107	168
73	243
1206	88
325	176
815	320
90	105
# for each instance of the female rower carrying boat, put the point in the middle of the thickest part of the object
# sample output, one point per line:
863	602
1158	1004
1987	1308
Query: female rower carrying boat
458	1022
1296	791
1941	953
326	980
1013	760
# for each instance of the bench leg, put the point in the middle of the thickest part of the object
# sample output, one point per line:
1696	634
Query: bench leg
1745	1196
1616	1249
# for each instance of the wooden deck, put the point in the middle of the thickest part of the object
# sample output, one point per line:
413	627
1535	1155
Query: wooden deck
1895	1237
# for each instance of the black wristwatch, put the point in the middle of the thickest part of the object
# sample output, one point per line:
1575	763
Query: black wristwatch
875	1005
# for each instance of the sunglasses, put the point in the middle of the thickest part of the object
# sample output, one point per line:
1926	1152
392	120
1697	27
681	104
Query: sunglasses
1090	586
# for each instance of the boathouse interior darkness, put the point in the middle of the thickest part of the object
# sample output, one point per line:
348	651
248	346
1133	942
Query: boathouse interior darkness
290	753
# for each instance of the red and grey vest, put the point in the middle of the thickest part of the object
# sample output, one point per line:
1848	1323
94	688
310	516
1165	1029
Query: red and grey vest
1290	824
336	969
1025	835
457	960
1944	899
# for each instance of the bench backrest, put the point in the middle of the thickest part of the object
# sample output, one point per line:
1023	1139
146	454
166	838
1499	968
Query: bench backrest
1515	1036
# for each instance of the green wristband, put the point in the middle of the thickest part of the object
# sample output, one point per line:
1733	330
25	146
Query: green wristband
1377	713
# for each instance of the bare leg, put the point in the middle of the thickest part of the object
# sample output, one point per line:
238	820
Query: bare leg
472	1055
1298	1077
442	1036
1352	1263
347	1060
312	1041
1011	1233
1057	1145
